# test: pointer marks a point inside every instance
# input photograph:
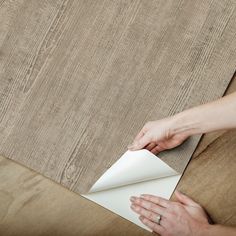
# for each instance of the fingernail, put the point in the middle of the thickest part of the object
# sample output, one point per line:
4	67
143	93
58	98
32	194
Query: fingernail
141	217
134	207
130	146
132	199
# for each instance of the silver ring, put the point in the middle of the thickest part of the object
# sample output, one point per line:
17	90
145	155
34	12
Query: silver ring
158	219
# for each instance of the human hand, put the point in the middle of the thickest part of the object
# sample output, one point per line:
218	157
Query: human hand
184	217
157	136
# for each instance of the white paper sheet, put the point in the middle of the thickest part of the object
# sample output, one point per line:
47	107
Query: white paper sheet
135	173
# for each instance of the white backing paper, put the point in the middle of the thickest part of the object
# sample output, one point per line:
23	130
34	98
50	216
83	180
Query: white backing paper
135	173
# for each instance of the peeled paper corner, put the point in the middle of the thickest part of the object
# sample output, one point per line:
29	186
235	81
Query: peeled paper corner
135	173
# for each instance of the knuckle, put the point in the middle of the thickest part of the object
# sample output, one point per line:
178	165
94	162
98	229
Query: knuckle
150	215
178	141
137	209
157	200
156	208
145	220
142	203
177	205
141	211
152	206
160	201
148	197
138	201
158	229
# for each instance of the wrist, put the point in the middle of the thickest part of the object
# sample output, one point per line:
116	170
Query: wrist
207	230
186	123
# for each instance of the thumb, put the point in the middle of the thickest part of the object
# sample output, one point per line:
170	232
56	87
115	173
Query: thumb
185	199
141	143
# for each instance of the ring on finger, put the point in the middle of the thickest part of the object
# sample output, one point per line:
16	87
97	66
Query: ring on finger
158	219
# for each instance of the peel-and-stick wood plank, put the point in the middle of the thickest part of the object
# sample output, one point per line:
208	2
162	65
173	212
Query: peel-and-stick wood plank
25	31
24	192
98	70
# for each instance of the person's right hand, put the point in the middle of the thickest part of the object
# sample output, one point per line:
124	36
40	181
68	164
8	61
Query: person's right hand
159	135
170	132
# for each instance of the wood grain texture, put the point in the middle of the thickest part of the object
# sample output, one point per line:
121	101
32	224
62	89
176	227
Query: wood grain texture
93	72
27	198
24	25
32	205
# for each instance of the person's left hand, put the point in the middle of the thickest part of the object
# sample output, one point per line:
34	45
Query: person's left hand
184	217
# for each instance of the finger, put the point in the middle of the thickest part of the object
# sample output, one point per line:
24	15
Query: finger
142	203
150	146
185	199
139	135
142	142
157	149
157	200
151	225
146	213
